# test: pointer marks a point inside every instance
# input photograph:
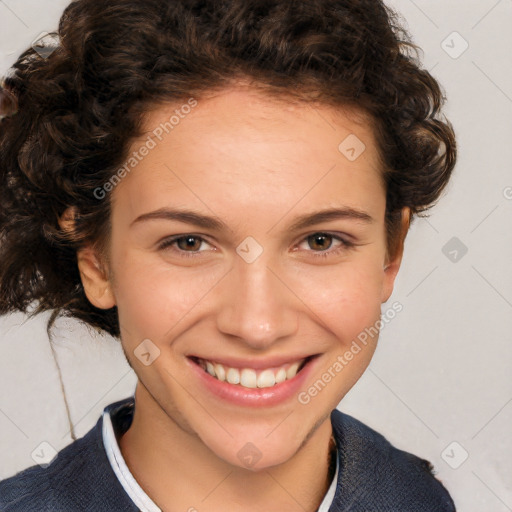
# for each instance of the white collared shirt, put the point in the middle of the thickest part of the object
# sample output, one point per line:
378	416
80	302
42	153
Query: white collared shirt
134	490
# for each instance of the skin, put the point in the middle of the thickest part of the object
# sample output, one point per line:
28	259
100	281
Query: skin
256	164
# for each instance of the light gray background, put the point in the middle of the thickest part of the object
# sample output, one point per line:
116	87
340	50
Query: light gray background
442	371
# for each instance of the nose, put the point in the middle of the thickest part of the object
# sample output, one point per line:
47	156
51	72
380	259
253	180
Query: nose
257	306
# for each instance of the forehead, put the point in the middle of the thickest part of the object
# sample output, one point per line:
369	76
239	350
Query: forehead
242	150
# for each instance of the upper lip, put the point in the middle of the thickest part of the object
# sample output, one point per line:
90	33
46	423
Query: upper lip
257	364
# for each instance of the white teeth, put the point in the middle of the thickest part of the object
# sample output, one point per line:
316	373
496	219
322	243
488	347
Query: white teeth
280	375
233	376
210	369
250	378
220	372
292	371
266	379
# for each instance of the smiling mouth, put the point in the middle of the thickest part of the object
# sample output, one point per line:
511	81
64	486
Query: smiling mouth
250	377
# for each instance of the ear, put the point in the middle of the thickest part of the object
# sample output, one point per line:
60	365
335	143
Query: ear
94	276
95	279
394	260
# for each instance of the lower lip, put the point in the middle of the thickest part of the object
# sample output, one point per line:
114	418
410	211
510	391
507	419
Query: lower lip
254	397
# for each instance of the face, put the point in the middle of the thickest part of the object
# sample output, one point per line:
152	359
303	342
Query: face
223	262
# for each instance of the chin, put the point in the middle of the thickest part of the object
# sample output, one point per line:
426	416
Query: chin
256	455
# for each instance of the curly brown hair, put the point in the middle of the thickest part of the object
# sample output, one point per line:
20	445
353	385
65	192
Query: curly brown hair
72	113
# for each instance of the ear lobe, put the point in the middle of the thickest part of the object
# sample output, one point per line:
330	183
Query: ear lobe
393	265
96	284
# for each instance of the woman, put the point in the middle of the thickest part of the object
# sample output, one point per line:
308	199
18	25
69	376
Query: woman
226	187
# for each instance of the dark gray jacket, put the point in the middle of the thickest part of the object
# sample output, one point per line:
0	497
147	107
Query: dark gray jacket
373	475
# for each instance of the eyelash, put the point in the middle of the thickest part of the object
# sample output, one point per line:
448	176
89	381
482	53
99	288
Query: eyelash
345	245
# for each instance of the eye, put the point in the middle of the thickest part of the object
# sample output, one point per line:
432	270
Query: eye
185	245
321	244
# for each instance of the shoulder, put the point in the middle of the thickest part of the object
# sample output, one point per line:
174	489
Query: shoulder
79	478
40	487
376	474
26	491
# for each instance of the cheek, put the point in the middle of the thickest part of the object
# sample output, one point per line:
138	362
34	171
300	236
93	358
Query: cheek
345	299
346	303
158	301
153	297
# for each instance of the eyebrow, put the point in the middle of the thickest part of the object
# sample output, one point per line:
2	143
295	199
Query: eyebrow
207	222
181	215
310	219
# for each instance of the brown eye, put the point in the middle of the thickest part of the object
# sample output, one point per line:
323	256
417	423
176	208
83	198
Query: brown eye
186	246
189	243
320	241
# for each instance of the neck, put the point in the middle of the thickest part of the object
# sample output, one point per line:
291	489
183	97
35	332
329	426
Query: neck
178	472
